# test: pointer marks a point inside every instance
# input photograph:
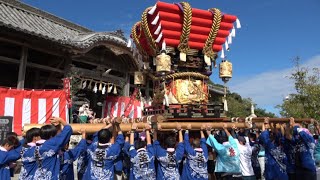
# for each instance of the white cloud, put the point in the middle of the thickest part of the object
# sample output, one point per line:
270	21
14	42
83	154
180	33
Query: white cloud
269	88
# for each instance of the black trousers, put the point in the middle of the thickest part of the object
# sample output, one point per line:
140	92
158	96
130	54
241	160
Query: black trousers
292	176
220	176
303	173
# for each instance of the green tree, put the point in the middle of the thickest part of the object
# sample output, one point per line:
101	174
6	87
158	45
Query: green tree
305	102
241	107
263	113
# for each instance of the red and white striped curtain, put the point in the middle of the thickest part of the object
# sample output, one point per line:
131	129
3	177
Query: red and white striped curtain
32	106
115	107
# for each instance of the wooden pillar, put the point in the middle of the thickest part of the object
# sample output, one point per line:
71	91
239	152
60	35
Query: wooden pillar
67	66
126	89
22	67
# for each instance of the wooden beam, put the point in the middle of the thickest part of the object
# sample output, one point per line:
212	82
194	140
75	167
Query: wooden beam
22	67
67	66
106	66
32	46
30	64
52	74
165	126
272	120
92	74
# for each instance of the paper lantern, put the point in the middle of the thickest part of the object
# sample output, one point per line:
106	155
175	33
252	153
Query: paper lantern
139	78
163	63
225	70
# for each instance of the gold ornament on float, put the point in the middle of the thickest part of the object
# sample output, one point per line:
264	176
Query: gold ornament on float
225	70
189	91
139	78
163	63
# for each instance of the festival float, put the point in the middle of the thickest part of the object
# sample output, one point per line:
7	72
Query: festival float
179	47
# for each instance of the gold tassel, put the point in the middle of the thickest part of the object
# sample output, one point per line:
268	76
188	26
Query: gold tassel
95	88
90	84
104	89
84	84
115	90
207	60
109	88
183	57
100	86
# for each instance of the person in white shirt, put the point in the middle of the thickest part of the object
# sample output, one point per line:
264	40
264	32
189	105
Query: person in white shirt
245	158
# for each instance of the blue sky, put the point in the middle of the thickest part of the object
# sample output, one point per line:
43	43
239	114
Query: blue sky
273	32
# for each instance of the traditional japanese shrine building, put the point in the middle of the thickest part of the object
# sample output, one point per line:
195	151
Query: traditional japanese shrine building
38	49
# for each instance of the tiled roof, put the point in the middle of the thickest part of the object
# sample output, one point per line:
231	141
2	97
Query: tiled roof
21	17
216	89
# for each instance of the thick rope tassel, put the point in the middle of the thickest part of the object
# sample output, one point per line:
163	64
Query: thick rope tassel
183	47
180	75
144	25
136	37
207	49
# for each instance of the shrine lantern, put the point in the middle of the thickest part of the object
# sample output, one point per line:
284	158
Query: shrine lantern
139	78
163	63
225	70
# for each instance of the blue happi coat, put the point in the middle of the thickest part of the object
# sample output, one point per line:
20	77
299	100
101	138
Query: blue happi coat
102	158
142	161
29	163
275	159
82	163
118	165
289	146
126	159
228	155
195	165
83	160
68	157
305	146
168	166
42	161
5	158
47	155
